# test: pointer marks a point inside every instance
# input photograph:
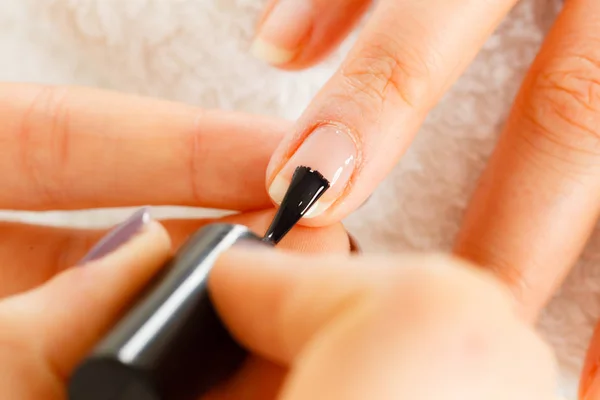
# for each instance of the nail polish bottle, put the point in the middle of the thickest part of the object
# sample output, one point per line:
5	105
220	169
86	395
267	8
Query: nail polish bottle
171	344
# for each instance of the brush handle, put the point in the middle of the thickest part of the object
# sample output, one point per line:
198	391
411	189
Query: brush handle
171	344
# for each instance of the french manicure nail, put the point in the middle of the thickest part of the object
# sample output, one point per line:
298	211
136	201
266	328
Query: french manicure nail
280	36
330	150
118	236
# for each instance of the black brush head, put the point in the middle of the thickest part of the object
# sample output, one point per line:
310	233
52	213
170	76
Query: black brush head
306	187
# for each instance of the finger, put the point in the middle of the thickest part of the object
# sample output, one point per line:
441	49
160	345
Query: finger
352	332
78	305
361	122
332	239
72	148
589	387
258	379
30	255
298	33
539	197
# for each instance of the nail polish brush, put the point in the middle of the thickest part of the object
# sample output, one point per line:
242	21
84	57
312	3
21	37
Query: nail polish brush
306	187
170	344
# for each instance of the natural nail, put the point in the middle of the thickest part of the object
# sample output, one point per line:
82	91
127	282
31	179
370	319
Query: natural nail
330	150
118	236
282	32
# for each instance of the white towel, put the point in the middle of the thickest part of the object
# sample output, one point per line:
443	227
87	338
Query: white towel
196	51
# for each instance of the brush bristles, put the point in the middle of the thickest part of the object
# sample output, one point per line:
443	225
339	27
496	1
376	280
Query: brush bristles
305	189
316	173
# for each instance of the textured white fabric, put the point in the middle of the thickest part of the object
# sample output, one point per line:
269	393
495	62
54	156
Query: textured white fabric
195	51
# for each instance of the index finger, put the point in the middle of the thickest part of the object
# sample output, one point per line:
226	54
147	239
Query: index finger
539	197
364	118
68	148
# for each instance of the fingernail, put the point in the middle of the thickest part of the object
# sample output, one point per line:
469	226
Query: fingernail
118	236
280	36
331	151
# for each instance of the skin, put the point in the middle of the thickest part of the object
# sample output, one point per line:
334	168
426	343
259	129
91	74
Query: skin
334	315
354	328
53	139
539	198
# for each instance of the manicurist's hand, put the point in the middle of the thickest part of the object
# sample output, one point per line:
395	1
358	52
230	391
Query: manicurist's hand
71	148
378	328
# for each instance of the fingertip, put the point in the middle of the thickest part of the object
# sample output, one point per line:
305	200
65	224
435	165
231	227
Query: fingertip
296	34
78	305
150	243
331	238
332	149
270	53
285	25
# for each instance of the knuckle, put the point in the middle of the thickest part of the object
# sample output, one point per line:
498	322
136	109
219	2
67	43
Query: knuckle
564	106
387	70
44	142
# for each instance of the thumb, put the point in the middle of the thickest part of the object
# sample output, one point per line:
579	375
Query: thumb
359	328
75	308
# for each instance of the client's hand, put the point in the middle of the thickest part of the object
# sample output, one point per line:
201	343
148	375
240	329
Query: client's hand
395	327
76	148
539	198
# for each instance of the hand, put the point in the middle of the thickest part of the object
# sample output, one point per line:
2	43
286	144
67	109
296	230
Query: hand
68	148
357	127
539	198
391	327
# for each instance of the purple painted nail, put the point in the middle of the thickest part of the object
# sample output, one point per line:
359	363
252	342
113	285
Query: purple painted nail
118	235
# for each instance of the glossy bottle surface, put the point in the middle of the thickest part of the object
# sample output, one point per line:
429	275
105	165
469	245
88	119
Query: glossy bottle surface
171	344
